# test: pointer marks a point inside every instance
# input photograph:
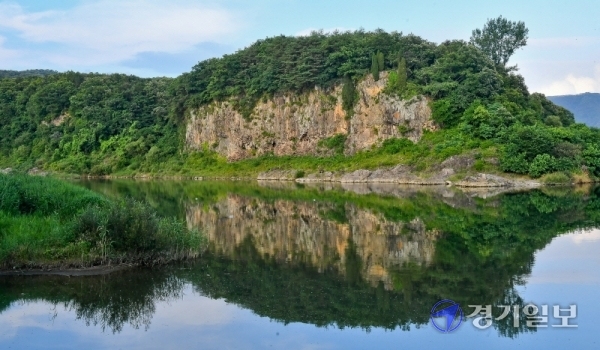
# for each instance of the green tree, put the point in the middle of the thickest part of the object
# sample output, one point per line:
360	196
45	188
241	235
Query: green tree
375	68
553	120
402	76
396	84
591	156
349	96
500	38
380	61
542	164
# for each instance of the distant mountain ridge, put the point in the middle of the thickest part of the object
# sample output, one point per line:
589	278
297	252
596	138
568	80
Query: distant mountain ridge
26	73
586	107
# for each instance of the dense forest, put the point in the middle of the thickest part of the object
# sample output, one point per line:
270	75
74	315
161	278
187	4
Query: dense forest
106	124
26	73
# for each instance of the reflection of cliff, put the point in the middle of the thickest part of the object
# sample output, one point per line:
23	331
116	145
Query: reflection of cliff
315	233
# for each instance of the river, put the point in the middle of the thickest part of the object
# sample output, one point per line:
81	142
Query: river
329	267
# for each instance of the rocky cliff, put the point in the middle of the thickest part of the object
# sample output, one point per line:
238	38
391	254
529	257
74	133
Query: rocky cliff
295	124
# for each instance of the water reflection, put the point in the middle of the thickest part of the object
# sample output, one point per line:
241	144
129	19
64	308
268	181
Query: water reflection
106	301
348	257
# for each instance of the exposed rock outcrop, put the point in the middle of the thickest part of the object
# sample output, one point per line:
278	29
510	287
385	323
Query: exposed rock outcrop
277	175
295	124
325	176
37	172
488	180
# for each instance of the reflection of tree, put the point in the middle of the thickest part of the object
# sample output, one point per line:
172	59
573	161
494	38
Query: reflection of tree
484	253
109	301
353	264
485	250
506	327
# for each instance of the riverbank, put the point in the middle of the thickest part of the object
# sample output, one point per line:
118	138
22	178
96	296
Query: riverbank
457	171
50	224
400	176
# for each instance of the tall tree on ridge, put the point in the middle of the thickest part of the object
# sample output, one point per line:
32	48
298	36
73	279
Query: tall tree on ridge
380	61
500	38
375	67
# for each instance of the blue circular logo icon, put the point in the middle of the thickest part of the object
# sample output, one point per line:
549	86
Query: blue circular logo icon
446	315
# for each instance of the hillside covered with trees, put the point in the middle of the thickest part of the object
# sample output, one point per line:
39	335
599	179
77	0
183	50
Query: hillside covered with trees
585	107
26	73
116	124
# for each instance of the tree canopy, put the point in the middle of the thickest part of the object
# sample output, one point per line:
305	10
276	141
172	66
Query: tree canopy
500	38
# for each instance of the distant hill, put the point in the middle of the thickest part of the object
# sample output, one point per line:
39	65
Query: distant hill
586	107
26	73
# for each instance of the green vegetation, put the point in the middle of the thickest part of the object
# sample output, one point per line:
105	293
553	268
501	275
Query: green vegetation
123	125
349	96
500	38
48	222
26	73
397	82
85	123
433	148
377	65
335	143
375	68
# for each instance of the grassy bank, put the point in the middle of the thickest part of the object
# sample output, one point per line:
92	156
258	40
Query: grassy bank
424	157
428	153
45	222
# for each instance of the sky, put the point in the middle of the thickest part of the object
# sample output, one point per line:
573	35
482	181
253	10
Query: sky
166	38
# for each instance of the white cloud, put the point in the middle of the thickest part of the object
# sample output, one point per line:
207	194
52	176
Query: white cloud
573	84
586	236
108	31
195	310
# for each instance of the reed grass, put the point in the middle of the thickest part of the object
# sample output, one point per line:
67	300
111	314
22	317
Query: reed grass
47	222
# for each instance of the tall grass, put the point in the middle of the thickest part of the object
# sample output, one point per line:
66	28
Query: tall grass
22	194
432	149
44	221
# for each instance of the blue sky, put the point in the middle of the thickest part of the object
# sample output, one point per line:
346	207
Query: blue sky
157	38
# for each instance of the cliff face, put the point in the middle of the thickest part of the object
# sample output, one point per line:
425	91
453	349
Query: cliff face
294	124
311	233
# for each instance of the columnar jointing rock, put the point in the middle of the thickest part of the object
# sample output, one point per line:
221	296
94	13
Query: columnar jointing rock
293	124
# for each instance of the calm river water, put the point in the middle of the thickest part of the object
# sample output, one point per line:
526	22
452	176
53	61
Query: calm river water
331	267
